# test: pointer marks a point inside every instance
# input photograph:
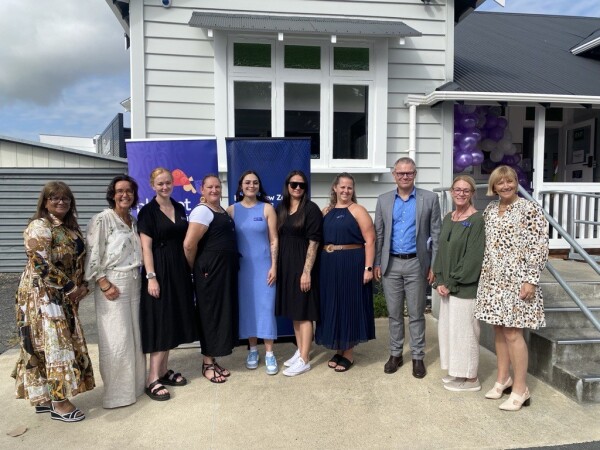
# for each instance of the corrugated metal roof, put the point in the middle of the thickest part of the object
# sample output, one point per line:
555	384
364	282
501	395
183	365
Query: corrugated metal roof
590	42
300	24
524	53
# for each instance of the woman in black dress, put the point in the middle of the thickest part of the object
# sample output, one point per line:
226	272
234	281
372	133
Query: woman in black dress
299	224
211	251
167	310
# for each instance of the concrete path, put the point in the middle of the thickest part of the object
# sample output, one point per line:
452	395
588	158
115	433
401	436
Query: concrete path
363	408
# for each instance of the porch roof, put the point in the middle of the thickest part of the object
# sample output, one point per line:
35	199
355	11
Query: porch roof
522	59
304	24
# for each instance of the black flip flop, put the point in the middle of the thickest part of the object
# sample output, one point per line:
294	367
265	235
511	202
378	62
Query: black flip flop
153	388
170	379
41	409
334	359
345	363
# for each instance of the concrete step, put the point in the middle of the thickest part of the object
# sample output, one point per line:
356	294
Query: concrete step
567	359
555	295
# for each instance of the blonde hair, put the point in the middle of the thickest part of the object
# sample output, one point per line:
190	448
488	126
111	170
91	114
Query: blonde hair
158	171
497	175
470	181
336	181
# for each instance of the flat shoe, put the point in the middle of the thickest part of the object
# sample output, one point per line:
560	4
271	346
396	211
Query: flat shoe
344	363
335	359
74	416
499	389
41	409
170	379
153	388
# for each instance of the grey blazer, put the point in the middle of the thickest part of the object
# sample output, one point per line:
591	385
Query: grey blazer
429	223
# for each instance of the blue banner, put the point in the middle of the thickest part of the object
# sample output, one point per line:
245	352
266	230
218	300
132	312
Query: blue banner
272	159
188	159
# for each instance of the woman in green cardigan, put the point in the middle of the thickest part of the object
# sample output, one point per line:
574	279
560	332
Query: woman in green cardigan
457	267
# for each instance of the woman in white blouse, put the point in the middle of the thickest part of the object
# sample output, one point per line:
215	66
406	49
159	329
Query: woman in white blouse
114	257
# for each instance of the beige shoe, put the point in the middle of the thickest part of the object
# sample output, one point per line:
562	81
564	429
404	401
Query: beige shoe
515	401
496	392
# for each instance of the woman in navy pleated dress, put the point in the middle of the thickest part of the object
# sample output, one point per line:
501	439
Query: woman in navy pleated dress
256	232
346	275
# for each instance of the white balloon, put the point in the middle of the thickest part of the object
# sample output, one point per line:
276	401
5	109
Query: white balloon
504	145
467	109
496	155
508	135
488	145
511	150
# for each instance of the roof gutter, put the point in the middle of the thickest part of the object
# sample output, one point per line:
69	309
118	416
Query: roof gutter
585	47
504	97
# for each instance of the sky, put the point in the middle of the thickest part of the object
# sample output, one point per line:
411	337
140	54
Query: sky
64	68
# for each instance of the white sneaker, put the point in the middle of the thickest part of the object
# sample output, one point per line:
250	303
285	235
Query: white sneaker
298	368
463	386
290	362
447	379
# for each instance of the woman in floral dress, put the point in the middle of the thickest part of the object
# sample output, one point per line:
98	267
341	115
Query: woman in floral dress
509	296
54	363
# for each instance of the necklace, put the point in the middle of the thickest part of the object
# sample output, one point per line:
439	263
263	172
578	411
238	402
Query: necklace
464	214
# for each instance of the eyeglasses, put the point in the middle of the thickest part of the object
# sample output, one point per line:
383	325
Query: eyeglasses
462	191
404	174
57	200
124	191
297	184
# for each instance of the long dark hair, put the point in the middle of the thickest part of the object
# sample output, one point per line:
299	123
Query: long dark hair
283	210
261	196
57	188
111	190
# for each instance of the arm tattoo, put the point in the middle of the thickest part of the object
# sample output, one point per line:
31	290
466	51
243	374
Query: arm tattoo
311	255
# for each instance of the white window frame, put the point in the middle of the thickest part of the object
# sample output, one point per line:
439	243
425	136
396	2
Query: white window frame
376	78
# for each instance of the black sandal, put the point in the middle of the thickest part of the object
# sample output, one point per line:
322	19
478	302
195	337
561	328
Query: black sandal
344	363
173	379
222	370
216	373
335	359
153	388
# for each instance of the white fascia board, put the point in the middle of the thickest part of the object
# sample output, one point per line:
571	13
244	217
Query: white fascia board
585	47
117	14
441	96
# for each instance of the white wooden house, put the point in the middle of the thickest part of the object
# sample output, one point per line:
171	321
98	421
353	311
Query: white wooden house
369	81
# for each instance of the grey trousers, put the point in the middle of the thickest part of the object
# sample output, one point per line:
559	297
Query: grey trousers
403	281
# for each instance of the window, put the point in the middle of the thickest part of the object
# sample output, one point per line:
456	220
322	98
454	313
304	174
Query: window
336	94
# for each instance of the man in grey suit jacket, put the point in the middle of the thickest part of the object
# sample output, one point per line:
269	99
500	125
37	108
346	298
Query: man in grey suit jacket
407	225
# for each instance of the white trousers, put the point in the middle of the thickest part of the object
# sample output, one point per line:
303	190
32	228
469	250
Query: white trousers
458	334
122	363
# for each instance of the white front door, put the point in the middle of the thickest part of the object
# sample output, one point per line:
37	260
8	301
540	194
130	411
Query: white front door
579	152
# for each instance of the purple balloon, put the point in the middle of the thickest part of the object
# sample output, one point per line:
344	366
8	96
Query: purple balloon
467	143
478	157
507	159
468	121
516	159
502	122
457	136
463	159
476	133
491	121
484	133
496	133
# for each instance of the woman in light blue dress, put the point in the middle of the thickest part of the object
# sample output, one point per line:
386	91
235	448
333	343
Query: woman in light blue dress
256	230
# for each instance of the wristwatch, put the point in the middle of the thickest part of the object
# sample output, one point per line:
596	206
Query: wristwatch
150	275
369	268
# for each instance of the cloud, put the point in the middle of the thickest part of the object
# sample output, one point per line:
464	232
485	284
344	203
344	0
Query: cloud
51	45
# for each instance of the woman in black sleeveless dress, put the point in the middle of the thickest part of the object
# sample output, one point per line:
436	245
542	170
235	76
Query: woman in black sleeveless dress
210	248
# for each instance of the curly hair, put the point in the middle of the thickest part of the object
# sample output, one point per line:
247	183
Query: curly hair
111	190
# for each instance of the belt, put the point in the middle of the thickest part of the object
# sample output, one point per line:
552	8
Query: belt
404	256
330	248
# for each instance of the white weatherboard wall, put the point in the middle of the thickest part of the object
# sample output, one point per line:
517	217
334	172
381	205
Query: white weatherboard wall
173	77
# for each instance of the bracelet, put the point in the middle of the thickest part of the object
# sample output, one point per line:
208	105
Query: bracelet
108	288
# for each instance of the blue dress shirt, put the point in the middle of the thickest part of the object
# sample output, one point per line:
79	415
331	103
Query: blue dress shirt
404	224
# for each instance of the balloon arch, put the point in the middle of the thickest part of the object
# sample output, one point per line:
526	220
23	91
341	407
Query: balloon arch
479	129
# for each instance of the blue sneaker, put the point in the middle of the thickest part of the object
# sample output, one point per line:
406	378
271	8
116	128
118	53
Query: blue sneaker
271	365
252	360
